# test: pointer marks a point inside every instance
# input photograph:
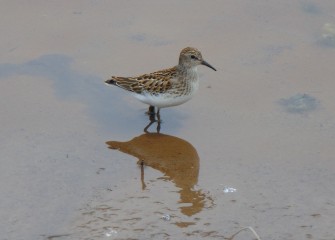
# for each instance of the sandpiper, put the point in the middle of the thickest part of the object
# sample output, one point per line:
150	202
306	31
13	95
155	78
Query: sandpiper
168	87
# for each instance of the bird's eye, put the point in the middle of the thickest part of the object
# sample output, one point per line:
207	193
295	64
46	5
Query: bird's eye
193	57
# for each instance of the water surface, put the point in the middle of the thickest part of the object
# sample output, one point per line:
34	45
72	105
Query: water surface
76	164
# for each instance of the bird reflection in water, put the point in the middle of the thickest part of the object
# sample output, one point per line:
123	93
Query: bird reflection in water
175	158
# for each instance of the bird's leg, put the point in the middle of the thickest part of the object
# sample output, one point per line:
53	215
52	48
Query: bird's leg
158	121
152	119
158	115
151	110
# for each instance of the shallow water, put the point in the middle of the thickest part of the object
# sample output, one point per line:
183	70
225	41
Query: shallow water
76	164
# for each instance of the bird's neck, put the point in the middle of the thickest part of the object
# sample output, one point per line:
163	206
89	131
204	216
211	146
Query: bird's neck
189	73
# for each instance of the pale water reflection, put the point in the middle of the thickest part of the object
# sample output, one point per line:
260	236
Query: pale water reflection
68	83
299	103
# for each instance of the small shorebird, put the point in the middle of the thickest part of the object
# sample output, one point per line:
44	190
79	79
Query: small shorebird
168	87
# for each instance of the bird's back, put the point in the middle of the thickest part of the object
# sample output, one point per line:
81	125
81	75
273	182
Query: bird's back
156	82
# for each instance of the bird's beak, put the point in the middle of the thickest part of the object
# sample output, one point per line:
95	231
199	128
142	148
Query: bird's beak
203	62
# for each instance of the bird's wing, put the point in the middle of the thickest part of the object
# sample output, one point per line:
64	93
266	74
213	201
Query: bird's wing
156	82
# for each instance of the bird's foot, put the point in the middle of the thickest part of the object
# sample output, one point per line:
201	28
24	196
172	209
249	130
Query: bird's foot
150	123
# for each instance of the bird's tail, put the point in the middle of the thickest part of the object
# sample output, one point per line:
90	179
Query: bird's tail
110	82
122	82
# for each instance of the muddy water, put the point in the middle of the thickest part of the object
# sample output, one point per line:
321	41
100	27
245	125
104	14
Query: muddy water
255	146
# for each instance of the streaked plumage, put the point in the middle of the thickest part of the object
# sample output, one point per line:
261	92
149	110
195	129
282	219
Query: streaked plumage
168	87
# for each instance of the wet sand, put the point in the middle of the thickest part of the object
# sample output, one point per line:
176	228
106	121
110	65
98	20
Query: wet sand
255	146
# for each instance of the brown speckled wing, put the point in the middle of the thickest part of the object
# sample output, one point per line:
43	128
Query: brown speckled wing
156	82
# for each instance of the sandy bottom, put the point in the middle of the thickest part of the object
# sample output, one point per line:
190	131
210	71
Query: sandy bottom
255	146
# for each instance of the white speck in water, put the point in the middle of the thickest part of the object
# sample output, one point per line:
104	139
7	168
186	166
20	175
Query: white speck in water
111	233
166	217
229	189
